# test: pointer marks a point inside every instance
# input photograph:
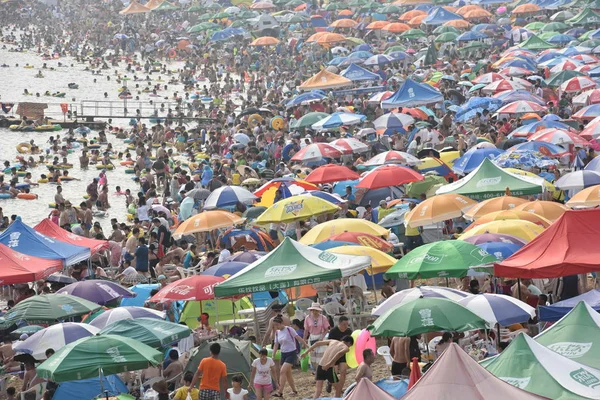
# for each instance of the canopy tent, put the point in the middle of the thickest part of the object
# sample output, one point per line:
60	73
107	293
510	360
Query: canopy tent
575	336
356	74
587	16
535	368
26	240
134	8
325	80
488	181
291	264
567	247
440	16
458	376
89	389
558	310
412	94
21	268
52	230
536	43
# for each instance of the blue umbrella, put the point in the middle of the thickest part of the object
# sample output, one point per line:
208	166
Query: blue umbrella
330	244
524	159
498	309
475	105
561	38
225	268
535	126
509	96
337	61
363	47
593	165
325	196
340	187
143	293
578	180
520	63
398	55
470	35
548	56
473	158
246	256
362	54
379	59
535	145
229	196
500	250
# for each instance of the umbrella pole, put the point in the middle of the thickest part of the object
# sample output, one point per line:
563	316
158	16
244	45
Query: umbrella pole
373	282
519	287
447	284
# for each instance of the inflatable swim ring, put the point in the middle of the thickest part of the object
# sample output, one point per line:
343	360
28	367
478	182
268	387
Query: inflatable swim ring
27	196
104	166
127	162
42	181
21	173
65	179
130	171
277	123
24	148
4	196
93	146
351	354
363	342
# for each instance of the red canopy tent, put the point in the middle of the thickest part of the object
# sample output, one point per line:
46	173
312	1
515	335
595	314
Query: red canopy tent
567	247
52	230
21	268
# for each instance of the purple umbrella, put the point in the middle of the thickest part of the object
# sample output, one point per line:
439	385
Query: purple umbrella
495	237
97	291
225	268
246	256
117	314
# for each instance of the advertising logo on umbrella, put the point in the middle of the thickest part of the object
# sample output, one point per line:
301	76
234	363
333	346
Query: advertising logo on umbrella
294	207
14	239
431	259
489	181
426	318
585	377
480	254
115	355
280	270
521	383
181	289
570	349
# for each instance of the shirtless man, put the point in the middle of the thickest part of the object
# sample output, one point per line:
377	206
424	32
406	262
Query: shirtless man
86	218
102	203
7	353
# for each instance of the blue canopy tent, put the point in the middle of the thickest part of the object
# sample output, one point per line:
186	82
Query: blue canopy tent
356	74
558	310
89	389
26	240
412	94
438	16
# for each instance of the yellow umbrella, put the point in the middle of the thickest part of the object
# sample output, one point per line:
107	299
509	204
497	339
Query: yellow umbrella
547	209
510	215
587	198
449	157
327	229
207	221
438	208
296	208
547	185
495	204
522	229
380	261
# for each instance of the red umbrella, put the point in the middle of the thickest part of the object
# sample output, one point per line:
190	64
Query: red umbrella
193	288
415	373
364	239
331	173
388	175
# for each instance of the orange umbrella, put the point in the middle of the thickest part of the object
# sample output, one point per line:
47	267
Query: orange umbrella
300	7
396	27
458	23
375	25
415	112
346	13
492	205
152	4
265	41
411	2
134	8
547	209
511	214
587	198
416	21
207	221
465	9
344	23
329	38
262	5
530	116
315	36
437	209
183	44
475	14
526	9
407	16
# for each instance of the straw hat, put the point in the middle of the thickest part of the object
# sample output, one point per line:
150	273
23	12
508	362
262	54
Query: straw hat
315	307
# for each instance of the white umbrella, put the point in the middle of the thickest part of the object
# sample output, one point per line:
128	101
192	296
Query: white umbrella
54	337
578	180
117	314
498	309
228	196
407	295
393	120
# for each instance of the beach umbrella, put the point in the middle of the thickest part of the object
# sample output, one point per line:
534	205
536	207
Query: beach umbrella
388	175
501	86
296	208
333	198
325	230
261	5
522	229
408	295
229	196
494	238
407	16
393	120
524	159
350	146
363	239
547	209
331	173
308	120
477	14
500	250
246	256
344	23
53	337
380	261
562	16
49	308
578	84
499	309
413	34
390	9
330	38
307	98
27	329
378	59
458	23
450	258
207	221
470	36
288	186
526	9
510	215
94	355
559	137
129	312
473	159
265	41
489	78
204	26
396	27
198	194
589	112
446	37
578	180
587	198
437	209
192	288
376	25
60	278
226	268
97	291
521	107
392	157
149	331
548	149
443	29
316	152
491	205
338	119
425	315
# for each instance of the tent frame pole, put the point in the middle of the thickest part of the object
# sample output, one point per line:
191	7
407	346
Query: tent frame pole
256	325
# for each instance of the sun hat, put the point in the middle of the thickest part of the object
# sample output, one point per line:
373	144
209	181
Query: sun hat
315	307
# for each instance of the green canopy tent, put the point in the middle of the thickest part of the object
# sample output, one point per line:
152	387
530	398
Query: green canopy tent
536	43
575	336
587	16
561	77
166	6
234	353
488	181
443	259
291	264
530	366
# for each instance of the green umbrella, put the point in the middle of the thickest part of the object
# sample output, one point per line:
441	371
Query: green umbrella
84	358
308	119
474	46
534	26
298	19
446	37
28	330
238	24
295	3
166	6
355	40
213	6
50	308
390	9
548	35
591	43
357	3
196	8
221	15
254	212
394	48
152	332
450	258
555	26
247	14
561	77
413	34
205	17
414	189
332	7
425	314
203	26
561	16
445	29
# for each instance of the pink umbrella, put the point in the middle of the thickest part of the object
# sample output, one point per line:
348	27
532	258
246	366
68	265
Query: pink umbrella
316	152
379	97
578	84
586	58
592	130
489	78
515	71
521	107
392	157
564	65
193	288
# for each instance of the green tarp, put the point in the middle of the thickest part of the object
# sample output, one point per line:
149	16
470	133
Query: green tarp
488	181
291	264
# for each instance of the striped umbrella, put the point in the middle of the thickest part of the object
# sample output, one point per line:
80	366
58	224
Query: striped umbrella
392	157
379	97
54	337
489	78
515	71
120	313
379	59
350	145
407	295
521	107
578	84
589	112
498	309
501	86
578	180
338	119
316	152
228	196
559	136
393	120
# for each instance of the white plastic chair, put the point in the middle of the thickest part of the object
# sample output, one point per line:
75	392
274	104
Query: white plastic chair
384	351
303	304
